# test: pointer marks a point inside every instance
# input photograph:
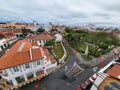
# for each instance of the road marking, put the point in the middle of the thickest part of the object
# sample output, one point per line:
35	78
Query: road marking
66	68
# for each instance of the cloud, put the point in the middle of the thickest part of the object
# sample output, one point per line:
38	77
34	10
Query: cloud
62	11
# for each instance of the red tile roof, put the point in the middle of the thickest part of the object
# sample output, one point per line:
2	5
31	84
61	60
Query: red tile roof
18	31
43	37
34	44
37	53
9	33
2	35
48	55
19	54
29	37
114	71
18	25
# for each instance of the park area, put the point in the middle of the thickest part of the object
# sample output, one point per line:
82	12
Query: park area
58	50
98	42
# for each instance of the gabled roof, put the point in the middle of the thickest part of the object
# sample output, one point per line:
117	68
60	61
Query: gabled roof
20	54
43	37
37	53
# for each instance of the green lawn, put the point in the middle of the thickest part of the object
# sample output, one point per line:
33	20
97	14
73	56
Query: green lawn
86	57
58	50
80	47
98	42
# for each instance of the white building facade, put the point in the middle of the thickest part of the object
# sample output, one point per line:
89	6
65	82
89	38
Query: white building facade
25	70
38	63
40	39
58	37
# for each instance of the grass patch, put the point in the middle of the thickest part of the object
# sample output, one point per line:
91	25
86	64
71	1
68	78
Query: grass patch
86	57
98	42
80	47
58	50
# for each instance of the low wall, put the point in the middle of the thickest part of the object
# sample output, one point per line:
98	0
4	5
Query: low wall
64	56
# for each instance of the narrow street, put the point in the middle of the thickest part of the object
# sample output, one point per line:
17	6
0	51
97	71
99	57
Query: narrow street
57	81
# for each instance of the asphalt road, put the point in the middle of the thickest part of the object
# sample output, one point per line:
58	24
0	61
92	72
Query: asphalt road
57	81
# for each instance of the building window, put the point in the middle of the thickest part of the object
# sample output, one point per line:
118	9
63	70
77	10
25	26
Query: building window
40	42
15	69
38	62
27	65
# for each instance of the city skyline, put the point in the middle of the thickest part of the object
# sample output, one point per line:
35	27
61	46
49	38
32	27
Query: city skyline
73	12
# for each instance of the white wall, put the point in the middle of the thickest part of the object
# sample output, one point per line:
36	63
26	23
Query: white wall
2	41
23	71
58	37
41	42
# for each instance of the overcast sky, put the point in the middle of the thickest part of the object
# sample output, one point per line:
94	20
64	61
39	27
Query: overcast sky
62	11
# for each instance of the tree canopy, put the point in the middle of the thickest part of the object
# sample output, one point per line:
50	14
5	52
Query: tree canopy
40	30
50	43
99	42
26	31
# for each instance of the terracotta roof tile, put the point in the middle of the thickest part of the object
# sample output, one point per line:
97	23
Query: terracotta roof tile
9	33
13	57
114	71
37	54
29	37
34	44
43	37
18	31
19	54
2	34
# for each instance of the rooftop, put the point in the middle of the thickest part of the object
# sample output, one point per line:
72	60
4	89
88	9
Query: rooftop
23	52
8	33
41	37
109	84
114	71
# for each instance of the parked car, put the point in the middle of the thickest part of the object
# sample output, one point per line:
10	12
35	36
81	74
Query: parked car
88	82
84	86
92	79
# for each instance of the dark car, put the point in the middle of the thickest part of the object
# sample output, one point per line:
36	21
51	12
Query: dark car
84	86
88	82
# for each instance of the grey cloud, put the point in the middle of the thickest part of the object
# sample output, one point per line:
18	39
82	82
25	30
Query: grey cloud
62	11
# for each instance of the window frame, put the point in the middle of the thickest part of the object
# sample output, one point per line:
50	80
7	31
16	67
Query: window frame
16	69
38	62
27	65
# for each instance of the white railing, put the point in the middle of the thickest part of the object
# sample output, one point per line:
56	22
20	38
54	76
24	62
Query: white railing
65	54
